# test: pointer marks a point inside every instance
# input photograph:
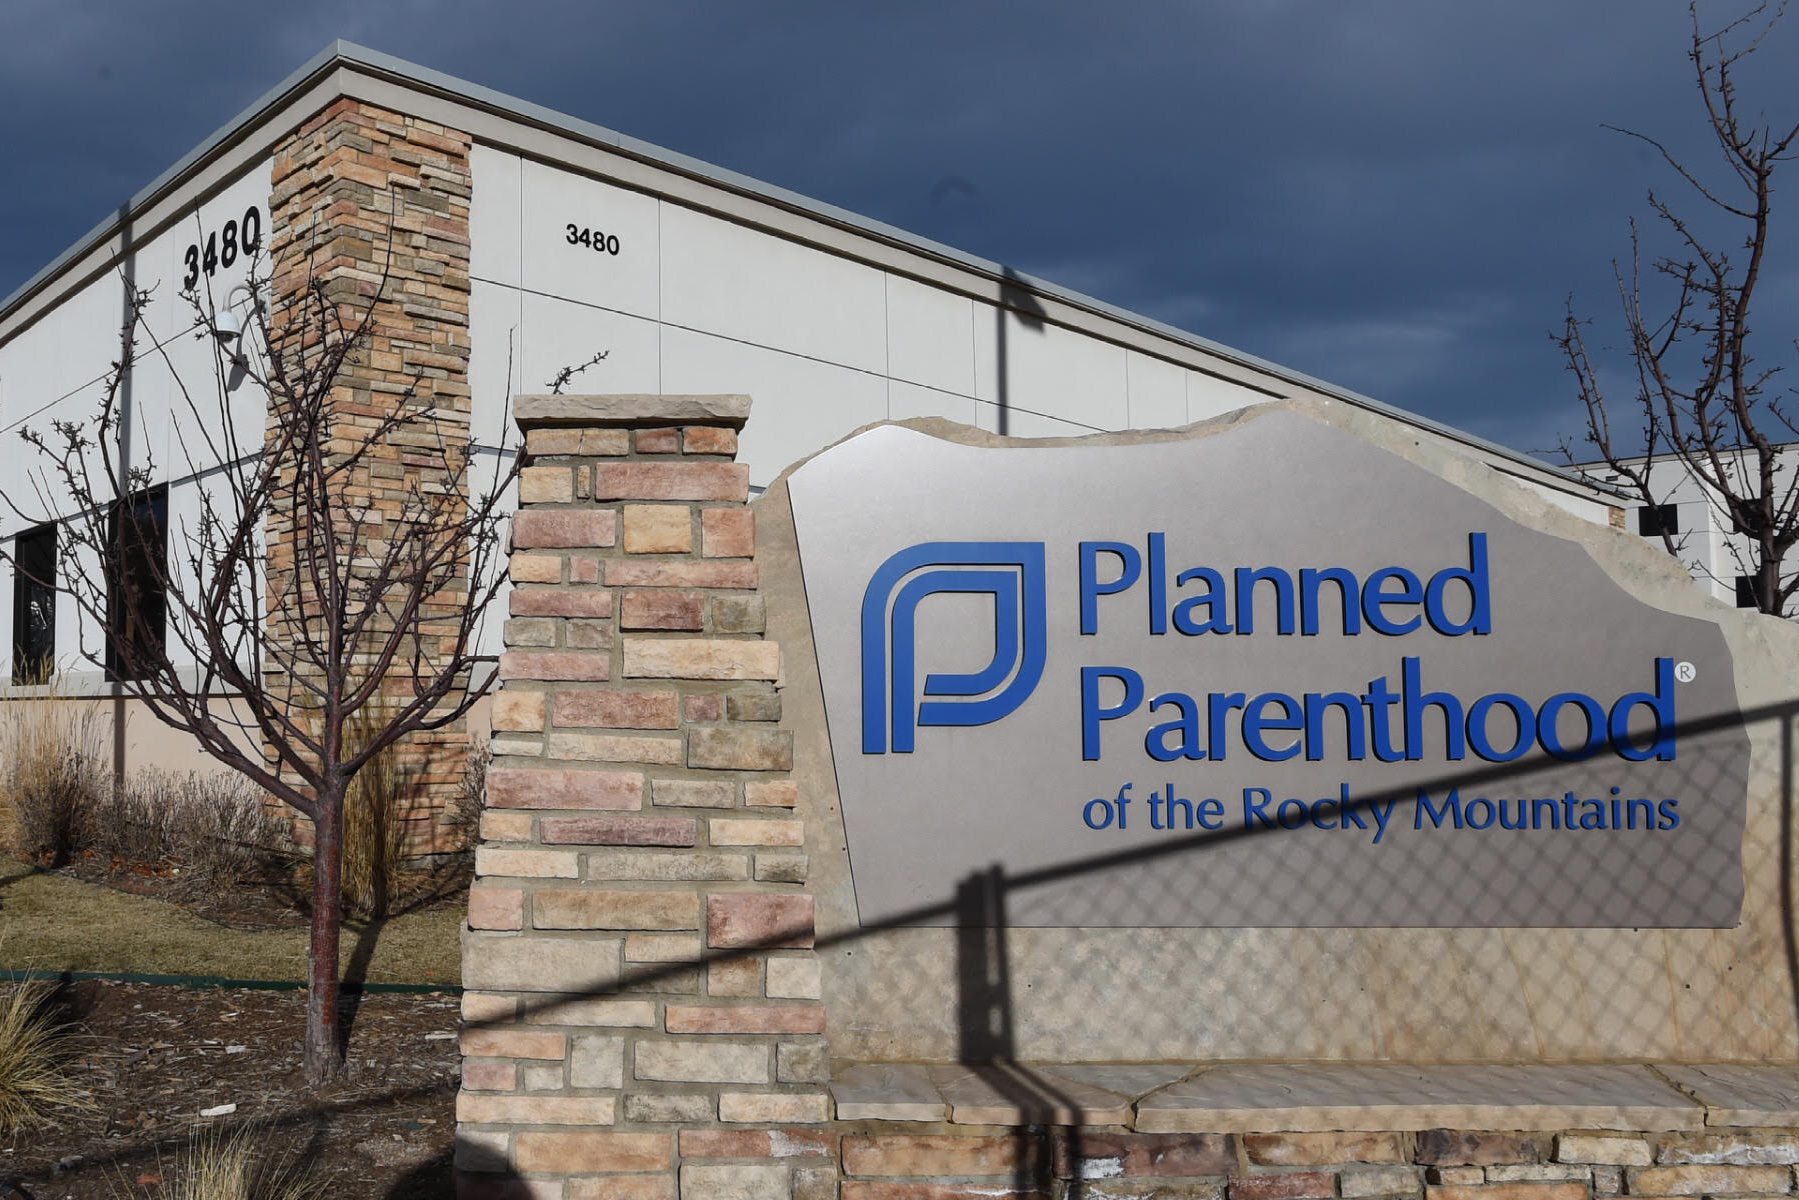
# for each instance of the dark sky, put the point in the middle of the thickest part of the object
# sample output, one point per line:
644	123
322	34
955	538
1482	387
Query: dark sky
1394	195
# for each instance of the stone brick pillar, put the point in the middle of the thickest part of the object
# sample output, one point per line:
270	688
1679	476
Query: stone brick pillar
358	192
642	1014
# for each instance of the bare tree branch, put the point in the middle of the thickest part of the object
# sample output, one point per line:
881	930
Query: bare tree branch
1704	400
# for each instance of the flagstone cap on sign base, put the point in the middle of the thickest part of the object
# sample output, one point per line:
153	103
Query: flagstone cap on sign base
1304	1097
1742	1094
1189	1097
549	411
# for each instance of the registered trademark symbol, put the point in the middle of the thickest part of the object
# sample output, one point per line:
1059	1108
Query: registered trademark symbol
1686	672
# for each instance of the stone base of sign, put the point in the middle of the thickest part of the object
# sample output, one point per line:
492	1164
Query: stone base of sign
646	1017
643	1013
1313	1097
1037	1163
1314	1132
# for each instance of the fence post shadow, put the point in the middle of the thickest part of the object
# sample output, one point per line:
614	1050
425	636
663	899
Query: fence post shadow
987	1037
1029	311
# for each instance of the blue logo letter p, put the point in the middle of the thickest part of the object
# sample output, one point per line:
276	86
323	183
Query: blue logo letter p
892	708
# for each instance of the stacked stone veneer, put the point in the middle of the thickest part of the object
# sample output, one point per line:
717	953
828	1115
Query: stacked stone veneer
1436	1164
642	997
373	206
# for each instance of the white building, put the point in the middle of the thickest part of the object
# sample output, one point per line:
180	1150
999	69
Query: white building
578	239
1696	519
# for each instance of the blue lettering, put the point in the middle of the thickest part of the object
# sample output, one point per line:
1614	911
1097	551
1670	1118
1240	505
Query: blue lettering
1093	711
1480	603
1257	721
1375	597
1451	810
1256	811
1661	704
1521	714
1130	567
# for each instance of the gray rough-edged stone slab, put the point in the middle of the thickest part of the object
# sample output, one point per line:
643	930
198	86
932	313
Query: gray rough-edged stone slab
1741	1093
1131	1080
1281	1098
887	1092
1010	1094
543	411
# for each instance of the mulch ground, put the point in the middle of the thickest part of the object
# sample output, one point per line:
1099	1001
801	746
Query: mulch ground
153	1058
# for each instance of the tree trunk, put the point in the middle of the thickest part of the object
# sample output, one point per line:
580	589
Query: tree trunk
324	1056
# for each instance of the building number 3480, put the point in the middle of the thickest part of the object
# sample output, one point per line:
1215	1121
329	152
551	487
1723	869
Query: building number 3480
593	239
223	246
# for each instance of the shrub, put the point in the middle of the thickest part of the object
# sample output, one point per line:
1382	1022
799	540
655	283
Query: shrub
228	1166
375	811
31	1077
52	773
218	828
463	818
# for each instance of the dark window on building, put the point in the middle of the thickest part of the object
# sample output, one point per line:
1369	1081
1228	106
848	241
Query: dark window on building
137	565
1653	520
1747	590
34	605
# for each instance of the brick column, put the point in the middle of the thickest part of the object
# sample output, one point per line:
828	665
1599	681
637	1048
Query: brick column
642	1015
357	191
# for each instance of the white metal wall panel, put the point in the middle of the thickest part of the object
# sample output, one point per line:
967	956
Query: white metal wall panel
560	334
1157	390
27	365
801	404
589	241
1017	422
911	400
84	337
1209	396
930	336
1043	369
734	282
496	217
190	358
496	343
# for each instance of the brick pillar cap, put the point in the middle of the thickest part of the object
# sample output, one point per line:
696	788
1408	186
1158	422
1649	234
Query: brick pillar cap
547	411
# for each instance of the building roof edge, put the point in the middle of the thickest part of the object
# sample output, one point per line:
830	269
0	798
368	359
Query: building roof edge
342	53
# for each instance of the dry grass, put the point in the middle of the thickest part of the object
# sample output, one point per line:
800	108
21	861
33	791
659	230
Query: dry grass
217	828
375	811
232	1166
55	923
52	771
31	1052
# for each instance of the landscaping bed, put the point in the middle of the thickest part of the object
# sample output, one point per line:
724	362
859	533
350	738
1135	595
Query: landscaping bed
152	1058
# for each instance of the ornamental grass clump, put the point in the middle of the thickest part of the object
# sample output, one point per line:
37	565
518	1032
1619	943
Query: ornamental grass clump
52	773
32	1040
376	809
232	1166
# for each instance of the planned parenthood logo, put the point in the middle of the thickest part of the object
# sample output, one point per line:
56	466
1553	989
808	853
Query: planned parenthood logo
893	707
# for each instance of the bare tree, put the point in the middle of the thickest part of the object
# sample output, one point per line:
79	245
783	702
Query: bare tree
336	622
1704	406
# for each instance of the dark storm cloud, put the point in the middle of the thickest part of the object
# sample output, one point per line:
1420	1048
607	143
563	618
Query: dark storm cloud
1395	196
